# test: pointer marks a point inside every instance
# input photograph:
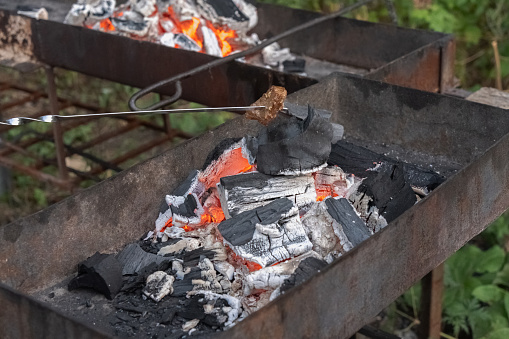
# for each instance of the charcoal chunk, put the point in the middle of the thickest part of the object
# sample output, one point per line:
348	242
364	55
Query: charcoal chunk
306	269
219	150
134	259
358	160
101	272
186	186
343	212
291	146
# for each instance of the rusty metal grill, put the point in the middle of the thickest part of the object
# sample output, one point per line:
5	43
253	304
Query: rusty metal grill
162	133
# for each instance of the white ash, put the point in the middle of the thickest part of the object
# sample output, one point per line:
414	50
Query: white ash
235	305
225	268
189	325
184	244
168	26
210	42
144	7
159	284
88	12
301	172
247	191
270	278
246	153
249	10
131	27
272	242
186	43
162	219
184	9
209	13
177	266
366	209
273	55
318	225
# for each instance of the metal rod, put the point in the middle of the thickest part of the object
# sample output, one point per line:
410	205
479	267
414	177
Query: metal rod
55	118
177	78
58	133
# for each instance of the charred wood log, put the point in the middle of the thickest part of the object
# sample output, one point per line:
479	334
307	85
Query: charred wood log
267	234
243	192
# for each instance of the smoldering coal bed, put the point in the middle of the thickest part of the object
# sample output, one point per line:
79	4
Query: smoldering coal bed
235	235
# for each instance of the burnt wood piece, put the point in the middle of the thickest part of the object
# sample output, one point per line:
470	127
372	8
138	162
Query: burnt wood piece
101	272
267	234
134	259
246	191
390	192
292	146
134	282
187	185
306	269
181	287
343	212
357	160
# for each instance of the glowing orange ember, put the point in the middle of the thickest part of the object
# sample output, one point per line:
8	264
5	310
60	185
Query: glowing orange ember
222	35
212	214
235	259
187	228
106	25
190	28
229	164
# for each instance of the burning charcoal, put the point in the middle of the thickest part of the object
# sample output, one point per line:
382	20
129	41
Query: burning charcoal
133	259
267	234
297	65
159	285
307	268
273	100
333	182
224	12
228	158
186	43
318	224
290	146
89	11
359	161
243	192
139	28
272	277
192	258
167	39
274	55
353	227
101	272
210	42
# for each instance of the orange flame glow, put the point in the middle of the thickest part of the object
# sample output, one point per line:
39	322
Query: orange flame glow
106	25
222	36
190	28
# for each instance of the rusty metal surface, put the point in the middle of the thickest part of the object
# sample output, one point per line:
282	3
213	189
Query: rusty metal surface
430	307
344	41
441	130
24	317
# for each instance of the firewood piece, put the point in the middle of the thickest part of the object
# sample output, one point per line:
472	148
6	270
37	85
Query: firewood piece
290	146
267	234
101	272
246	191
273	100
343	212
133	259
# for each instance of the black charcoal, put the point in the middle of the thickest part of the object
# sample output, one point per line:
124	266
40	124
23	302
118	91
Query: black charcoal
298	65
290	146
133	259
343	212
306	269
101	272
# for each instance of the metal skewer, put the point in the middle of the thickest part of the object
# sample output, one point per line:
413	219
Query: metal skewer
52	118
